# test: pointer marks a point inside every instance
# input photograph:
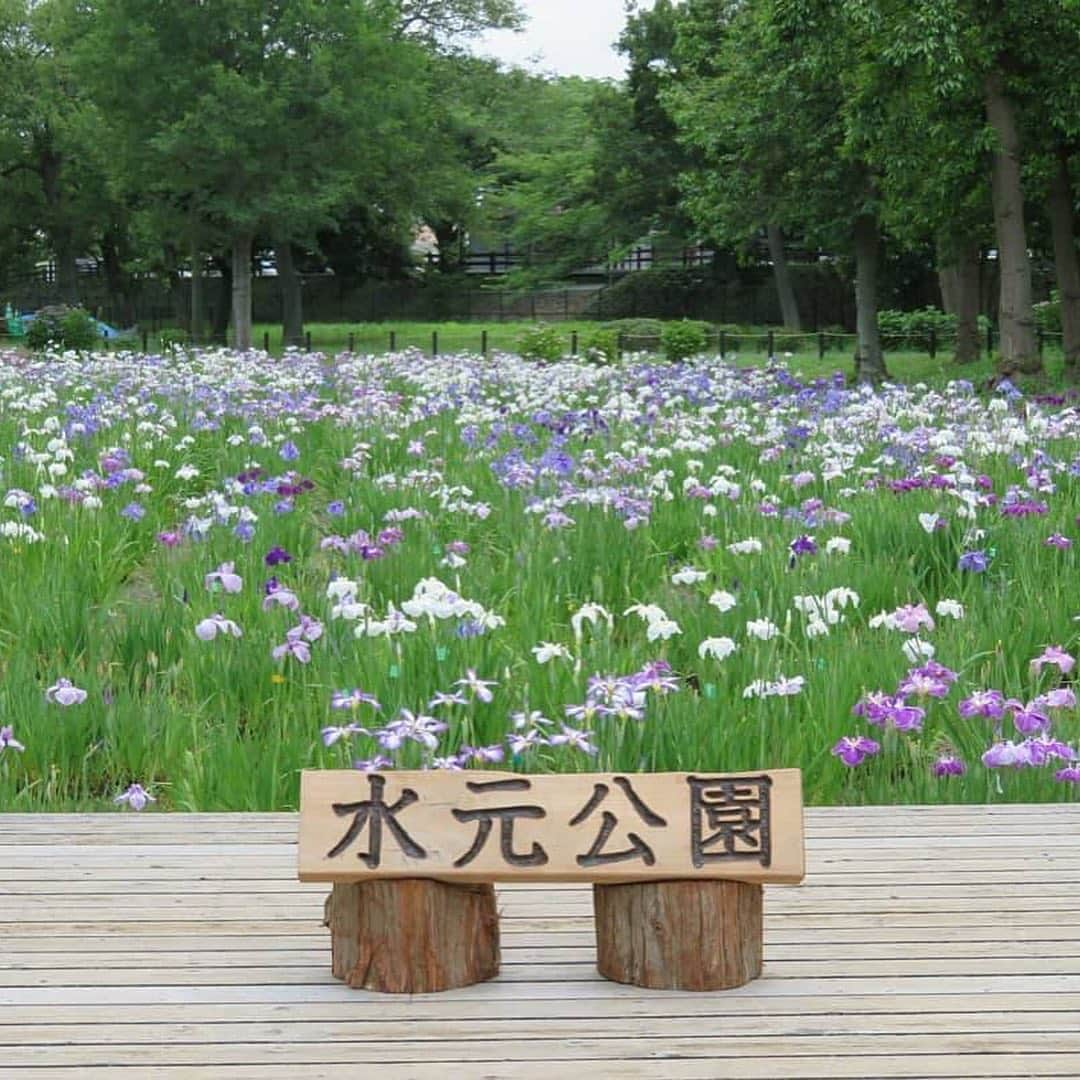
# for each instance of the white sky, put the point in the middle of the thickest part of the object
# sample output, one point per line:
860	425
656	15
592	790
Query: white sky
571	37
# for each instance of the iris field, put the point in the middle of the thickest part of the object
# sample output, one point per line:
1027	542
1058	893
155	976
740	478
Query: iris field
219	569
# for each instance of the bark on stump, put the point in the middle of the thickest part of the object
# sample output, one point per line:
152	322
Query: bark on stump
679	935
412	936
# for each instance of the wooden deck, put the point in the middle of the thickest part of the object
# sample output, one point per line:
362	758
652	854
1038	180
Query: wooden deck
939	942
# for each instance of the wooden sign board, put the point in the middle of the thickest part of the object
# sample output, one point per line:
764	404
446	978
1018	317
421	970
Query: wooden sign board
496	826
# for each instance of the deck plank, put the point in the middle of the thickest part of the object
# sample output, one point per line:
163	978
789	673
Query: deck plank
182	947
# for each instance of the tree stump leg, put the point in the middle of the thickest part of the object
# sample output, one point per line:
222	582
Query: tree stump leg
412	936
679	935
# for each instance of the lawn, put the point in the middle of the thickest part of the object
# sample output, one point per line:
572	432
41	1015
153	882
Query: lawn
222	571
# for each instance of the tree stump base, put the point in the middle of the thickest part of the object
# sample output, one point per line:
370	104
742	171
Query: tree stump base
412	936
679	935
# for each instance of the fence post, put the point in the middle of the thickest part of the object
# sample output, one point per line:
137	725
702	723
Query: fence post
573	342
307	342
723	344
566	303
989	339
393	341
932	344
770	345
145	340
266	341
352	342
821	345
1039	341
434	342
483	343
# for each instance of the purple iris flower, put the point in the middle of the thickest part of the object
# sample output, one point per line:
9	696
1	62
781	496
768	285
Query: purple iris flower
949	765
276	556
134	511
289	451
244	531
335	508
976	562
1062	543
803	545
1027	719
988	703
853	750
1070	774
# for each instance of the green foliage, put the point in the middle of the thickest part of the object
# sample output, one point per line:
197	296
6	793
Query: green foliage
63	327
601	346
681	340
1048	314
665	292
911	329
542	342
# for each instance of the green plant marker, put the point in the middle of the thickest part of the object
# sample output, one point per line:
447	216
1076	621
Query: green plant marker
436	549
710	690
394	672
821	663
441	652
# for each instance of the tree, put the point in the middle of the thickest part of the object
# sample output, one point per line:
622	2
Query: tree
772	96
248	118
51	152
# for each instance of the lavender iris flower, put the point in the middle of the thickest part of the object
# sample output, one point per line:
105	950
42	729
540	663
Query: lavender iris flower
136	797
225	577
63	692
975	562
8	740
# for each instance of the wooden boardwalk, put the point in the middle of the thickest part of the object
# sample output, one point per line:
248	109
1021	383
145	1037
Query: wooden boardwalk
937	942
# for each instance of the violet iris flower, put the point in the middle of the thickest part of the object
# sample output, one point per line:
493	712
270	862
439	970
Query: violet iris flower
852	750
988	703
479	687
976	562
276	556
949	765
1056	655
353	699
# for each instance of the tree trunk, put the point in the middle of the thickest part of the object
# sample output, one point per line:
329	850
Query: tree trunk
1066	265
198	301
222	313
947	283
869	361
959	274
119	309
785	290
679	935
60	233
292	303
968	286
241	291
1015	317
413	936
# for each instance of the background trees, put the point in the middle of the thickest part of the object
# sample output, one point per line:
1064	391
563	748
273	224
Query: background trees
176	137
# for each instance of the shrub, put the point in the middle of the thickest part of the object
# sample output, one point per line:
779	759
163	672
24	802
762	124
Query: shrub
541	342
63	326
172	338
601	346
684	339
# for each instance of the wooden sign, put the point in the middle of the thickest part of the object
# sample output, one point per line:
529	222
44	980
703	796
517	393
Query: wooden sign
494	826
